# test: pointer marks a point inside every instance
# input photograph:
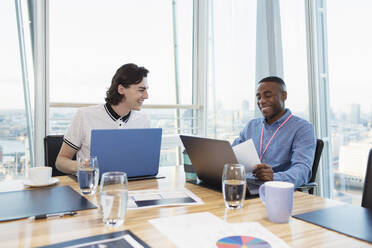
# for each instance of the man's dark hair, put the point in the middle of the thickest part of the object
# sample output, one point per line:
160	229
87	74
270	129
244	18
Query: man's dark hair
274	79
126	75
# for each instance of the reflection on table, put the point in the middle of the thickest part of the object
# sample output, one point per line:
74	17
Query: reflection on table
31	233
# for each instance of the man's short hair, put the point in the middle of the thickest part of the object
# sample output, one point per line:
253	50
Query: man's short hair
126	75
274	79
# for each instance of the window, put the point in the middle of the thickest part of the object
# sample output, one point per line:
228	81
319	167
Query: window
349	54
14	135
231	89
293	27
86	52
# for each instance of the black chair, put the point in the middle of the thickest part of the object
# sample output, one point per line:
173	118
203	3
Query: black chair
367	189
309	187
52	145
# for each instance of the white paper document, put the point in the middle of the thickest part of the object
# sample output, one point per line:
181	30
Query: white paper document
155	198
205	229
246	155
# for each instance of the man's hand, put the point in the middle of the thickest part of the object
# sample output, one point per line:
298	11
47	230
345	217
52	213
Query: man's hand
263	172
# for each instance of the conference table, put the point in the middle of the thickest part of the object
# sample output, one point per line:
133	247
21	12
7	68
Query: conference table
296	233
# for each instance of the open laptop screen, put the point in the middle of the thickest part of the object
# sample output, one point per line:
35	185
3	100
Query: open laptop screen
134	151
208	157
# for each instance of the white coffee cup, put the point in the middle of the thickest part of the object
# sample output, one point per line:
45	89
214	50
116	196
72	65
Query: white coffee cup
278	199
40	175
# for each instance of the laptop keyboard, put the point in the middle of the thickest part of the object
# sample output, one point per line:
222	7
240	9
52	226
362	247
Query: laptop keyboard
253	184
254	181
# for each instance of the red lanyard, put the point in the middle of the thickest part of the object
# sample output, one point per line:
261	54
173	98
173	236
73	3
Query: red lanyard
268	143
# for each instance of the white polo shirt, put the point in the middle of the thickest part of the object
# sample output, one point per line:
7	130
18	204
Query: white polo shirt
99	117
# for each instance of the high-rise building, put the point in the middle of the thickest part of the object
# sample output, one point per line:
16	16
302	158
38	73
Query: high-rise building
1	154
355	113
245	111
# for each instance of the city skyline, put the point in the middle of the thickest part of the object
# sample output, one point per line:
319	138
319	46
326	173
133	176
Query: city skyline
349	138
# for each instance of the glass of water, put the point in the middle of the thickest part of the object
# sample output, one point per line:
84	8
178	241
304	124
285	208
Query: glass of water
88	175
234	185
114	197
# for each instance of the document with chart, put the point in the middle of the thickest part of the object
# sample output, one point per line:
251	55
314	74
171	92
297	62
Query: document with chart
155	198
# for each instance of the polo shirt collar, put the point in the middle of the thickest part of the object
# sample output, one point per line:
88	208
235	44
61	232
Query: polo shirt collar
114	116
281	120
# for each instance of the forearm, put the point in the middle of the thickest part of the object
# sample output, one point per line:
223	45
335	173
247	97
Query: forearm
239	140
298	174
66	165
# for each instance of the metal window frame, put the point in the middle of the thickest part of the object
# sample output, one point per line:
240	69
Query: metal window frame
319	87
41	76
41	53
201	27
25	33
176	57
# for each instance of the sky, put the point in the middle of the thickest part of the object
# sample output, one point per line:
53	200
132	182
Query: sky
86	49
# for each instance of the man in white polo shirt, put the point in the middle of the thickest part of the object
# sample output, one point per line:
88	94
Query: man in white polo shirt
123	99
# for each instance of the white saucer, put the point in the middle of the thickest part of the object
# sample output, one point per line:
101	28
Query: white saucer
28	183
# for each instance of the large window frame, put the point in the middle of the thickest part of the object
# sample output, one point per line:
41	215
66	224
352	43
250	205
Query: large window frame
268	23
43	104
17	118
319	87
25	48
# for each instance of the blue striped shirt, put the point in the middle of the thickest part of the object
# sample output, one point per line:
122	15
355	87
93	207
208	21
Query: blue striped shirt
291	151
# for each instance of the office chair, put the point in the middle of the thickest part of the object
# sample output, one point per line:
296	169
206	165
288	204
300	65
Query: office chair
367	189
52	145
309	187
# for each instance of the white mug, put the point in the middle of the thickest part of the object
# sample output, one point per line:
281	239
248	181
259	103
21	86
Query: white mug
40	175
278	199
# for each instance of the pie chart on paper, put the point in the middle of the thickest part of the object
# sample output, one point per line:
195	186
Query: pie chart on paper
242	242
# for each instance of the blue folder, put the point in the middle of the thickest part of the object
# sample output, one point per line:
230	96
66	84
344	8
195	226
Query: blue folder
25	203
348	219
133	151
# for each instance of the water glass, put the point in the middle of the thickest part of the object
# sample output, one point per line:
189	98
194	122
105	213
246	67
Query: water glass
234	185
88	175
114	197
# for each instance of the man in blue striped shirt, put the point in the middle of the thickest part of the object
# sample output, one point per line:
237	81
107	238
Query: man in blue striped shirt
285	143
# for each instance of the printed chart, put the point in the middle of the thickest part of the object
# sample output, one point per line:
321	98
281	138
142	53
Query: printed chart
242	242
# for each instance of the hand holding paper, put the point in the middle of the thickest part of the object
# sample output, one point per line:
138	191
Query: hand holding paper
246	155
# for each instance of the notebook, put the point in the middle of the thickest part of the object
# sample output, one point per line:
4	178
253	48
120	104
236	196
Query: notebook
348	219
26	203
133	151
209	156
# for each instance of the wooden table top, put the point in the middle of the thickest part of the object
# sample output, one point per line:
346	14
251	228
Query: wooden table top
297	233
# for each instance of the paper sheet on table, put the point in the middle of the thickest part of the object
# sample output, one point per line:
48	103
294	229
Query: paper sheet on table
155	198
246	154
205	229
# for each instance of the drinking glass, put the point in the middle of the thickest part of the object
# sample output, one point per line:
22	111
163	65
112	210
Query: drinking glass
88	175
114	197
234	185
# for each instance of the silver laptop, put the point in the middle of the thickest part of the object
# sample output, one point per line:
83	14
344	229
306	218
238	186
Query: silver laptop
209	156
